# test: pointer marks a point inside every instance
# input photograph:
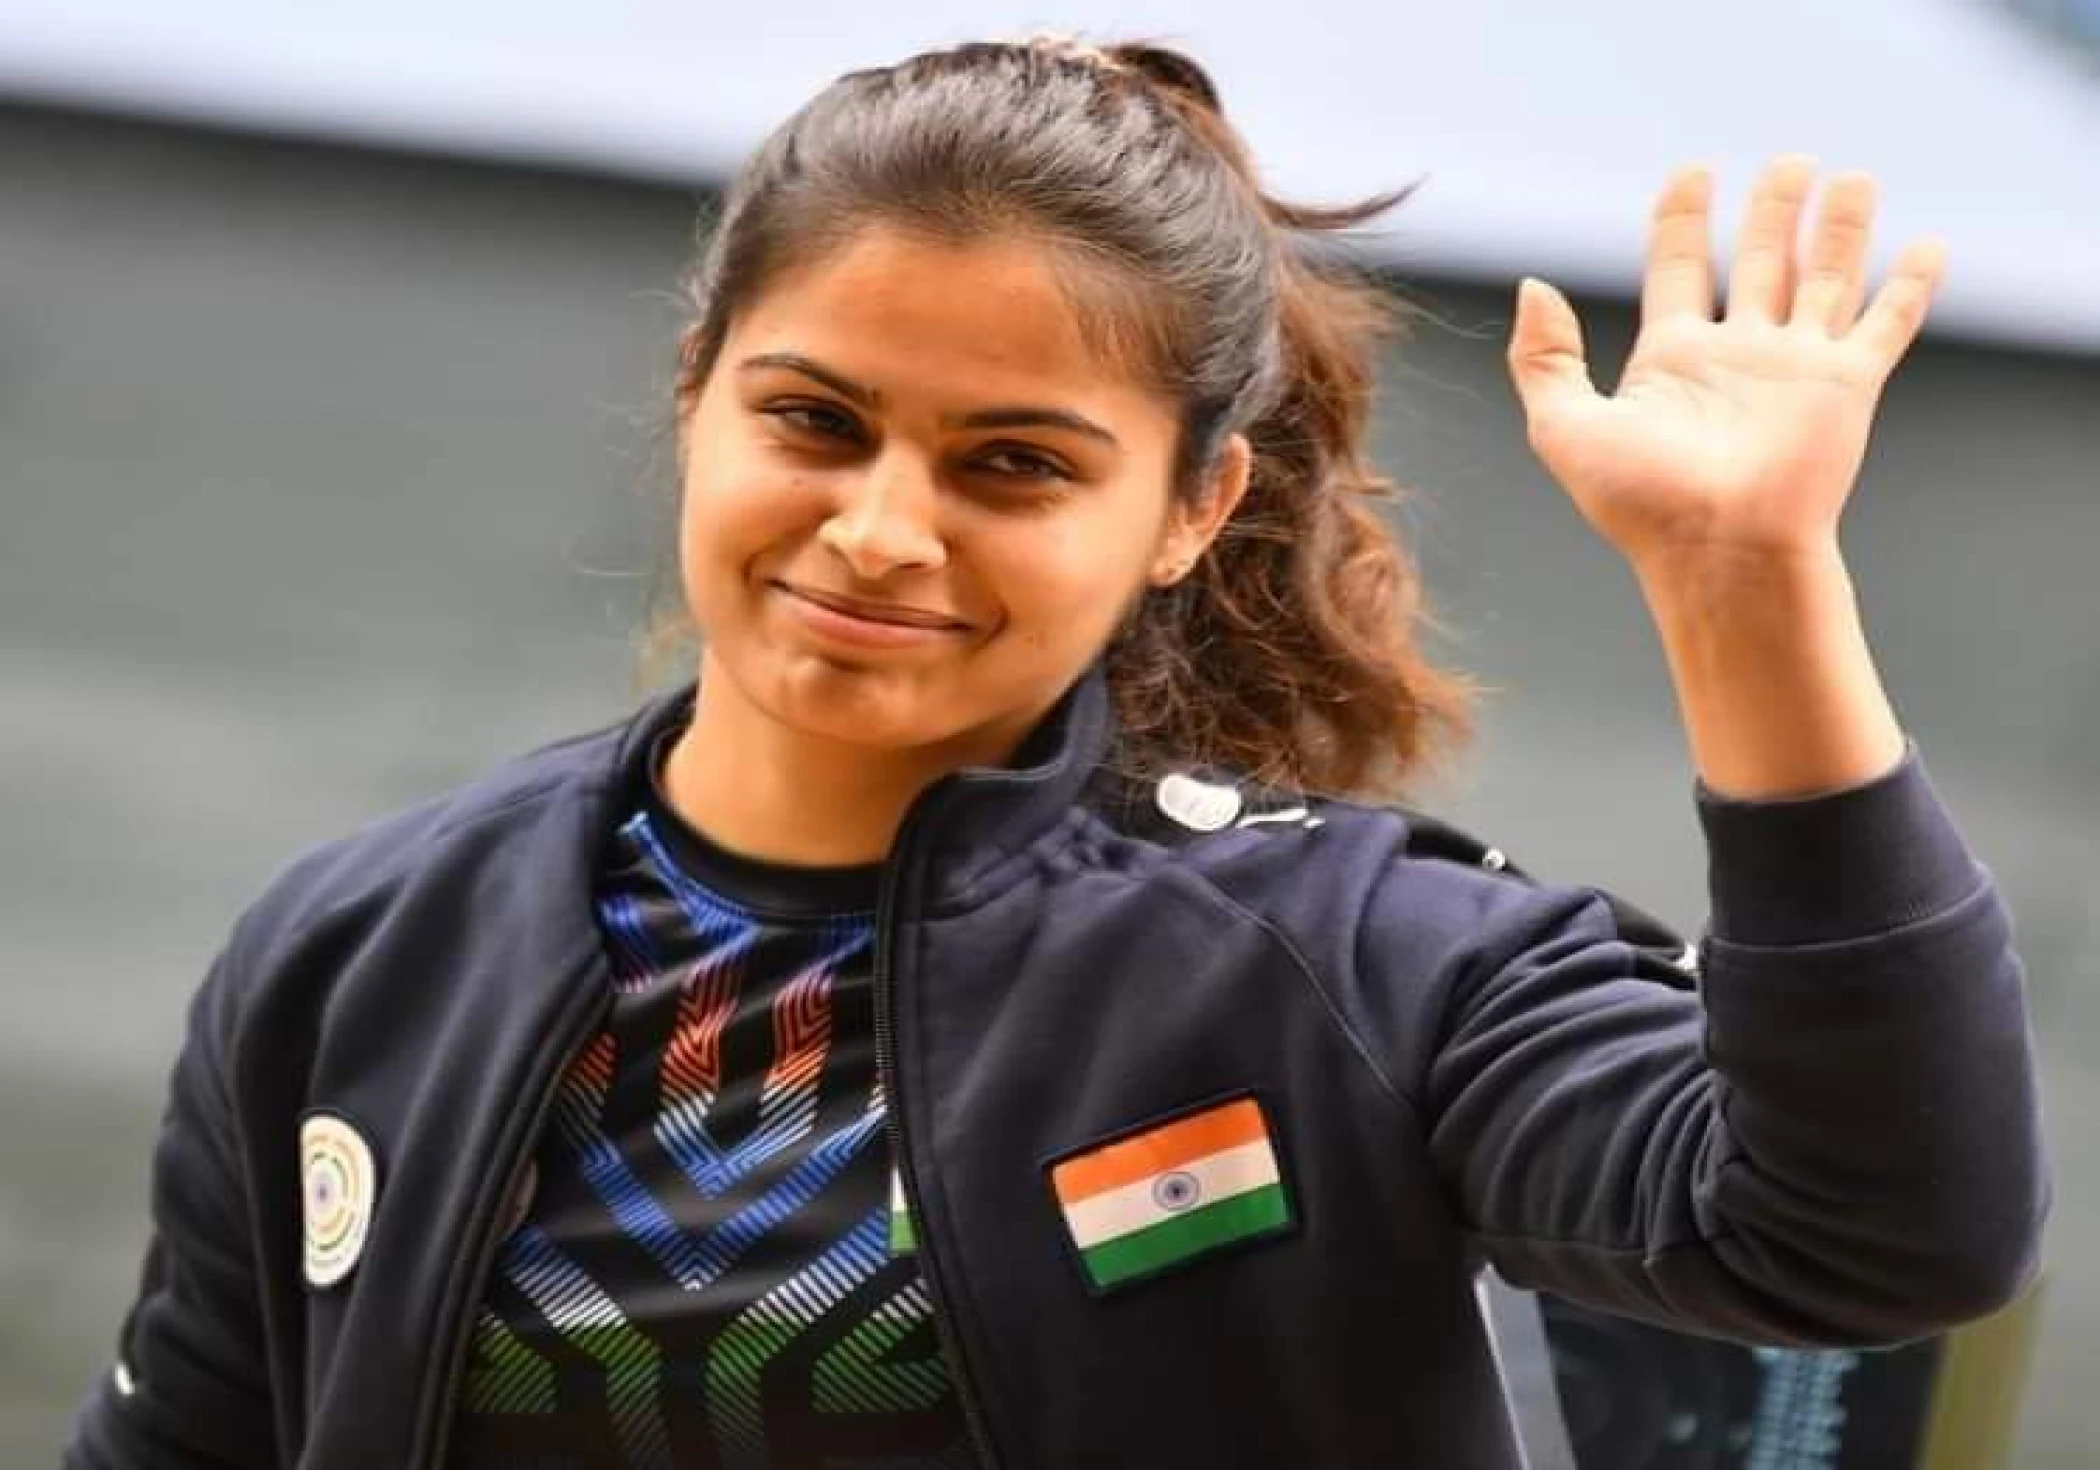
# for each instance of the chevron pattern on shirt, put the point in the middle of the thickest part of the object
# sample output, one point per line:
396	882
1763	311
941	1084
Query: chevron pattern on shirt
702	1278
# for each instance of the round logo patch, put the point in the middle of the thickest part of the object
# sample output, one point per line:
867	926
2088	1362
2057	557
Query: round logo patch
338	1181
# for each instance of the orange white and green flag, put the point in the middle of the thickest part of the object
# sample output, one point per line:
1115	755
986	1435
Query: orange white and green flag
1183	1189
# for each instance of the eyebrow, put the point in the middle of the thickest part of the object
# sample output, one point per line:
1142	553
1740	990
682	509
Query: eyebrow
1015	416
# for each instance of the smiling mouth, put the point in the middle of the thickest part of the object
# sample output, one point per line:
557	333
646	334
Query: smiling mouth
875	612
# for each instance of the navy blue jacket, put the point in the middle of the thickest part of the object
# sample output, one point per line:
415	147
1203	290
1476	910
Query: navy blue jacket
1818	1127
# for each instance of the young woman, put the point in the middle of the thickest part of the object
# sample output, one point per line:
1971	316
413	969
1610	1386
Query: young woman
990	1017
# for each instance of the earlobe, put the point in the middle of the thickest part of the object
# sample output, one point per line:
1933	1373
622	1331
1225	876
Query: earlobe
1201	522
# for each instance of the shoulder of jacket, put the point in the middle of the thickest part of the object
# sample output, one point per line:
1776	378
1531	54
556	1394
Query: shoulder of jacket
1345	849
1190	810
1434	838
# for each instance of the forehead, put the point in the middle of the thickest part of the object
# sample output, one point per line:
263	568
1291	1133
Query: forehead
987	318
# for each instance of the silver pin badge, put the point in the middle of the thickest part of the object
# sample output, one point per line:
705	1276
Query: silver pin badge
1201	806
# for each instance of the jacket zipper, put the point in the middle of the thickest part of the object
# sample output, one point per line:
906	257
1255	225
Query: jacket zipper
898	871
574	1026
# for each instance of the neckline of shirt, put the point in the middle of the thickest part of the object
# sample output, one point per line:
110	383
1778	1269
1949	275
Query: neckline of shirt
787	890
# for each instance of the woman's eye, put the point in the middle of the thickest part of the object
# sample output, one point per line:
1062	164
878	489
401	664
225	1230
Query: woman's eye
819	419
1023	465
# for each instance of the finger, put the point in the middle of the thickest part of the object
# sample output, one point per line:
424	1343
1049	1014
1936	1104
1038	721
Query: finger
1680	277
1834	282
1761	279
1893	321
1546	359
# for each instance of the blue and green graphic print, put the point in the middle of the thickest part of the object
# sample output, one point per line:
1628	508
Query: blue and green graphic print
704	1275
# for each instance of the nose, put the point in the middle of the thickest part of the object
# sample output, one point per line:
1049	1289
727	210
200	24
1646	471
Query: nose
884	520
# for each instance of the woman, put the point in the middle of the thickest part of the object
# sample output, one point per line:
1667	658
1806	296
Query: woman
985	1020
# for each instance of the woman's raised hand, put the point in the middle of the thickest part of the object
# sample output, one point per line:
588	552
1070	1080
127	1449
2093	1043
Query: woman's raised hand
1738	436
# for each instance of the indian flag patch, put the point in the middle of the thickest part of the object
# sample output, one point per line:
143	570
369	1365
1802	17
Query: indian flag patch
1153	1199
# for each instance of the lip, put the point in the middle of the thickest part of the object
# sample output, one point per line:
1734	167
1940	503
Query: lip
875	612
865	624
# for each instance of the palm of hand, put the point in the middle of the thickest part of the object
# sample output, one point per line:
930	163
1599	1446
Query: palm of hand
1744	433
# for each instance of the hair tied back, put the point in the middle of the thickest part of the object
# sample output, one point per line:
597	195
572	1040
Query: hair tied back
1165	68
1170	70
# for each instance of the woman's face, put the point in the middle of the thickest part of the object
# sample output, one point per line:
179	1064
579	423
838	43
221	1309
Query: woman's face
916	504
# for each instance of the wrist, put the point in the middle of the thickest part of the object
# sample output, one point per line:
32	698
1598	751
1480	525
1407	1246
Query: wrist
1717	578
1777	687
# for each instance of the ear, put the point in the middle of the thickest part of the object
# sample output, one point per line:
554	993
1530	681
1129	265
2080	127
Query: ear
1193	524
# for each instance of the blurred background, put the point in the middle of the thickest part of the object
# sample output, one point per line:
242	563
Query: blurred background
332	349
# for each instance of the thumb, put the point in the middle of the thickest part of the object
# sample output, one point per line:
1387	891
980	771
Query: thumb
1545	350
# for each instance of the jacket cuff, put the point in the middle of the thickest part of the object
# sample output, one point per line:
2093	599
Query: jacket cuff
1839	865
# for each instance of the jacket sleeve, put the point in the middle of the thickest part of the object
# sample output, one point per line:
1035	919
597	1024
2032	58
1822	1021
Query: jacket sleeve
188	1389
1833	1140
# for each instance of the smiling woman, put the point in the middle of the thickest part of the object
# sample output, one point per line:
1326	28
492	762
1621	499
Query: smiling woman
975	1021
912	514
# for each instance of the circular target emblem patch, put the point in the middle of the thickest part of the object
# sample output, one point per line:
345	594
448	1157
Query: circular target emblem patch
338	1182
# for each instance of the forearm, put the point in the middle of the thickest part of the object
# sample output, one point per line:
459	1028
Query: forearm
1774	680
1835	1140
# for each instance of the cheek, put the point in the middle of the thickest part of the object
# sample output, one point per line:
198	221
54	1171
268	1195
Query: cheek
1061	590
733	511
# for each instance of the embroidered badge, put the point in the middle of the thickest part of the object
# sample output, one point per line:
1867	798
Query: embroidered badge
339	1180
1154	1199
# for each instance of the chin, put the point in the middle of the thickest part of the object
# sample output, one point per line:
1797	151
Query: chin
859	704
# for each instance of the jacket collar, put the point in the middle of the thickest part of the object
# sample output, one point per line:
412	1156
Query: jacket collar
966	822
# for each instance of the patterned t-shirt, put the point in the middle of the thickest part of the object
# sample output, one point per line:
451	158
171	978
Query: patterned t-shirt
703	1276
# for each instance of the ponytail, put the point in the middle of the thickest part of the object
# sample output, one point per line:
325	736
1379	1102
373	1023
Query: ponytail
1290	652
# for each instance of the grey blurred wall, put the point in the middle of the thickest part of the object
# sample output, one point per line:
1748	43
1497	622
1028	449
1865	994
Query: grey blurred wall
326	479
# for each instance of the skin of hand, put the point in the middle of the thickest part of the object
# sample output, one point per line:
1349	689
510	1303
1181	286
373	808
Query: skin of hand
1720	465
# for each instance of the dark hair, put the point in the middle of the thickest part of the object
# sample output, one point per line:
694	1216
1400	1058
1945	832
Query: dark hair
1289	653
